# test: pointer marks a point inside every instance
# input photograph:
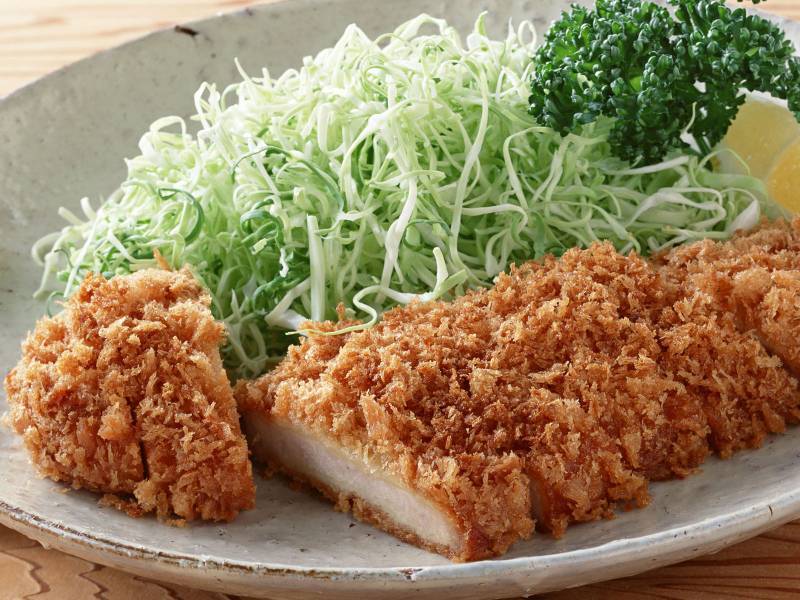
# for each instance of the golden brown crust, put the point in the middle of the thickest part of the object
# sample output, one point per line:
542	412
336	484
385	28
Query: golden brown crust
754	276
73	432
768	303
124	392
582	327
745	391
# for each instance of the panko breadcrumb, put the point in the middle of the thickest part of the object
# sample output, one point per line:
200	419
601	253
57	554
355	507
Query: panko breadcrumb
124	393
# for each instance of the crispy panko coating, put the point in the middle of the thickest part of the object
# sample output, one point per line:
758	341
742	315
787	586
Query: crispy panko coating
745	391
594	372
124	392
582	326
548	399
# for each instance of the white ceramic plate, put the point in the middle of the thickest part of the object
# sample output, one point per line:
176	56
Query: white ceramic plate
65	137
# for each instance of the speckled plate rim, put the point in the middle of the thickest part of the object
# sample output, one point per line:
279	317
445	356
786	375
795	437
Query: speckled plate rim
651	551
654	550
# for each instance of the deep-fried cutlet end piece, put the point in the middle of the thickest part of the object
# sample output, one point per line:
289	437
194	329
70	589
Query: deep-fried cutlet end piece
73	432
134	360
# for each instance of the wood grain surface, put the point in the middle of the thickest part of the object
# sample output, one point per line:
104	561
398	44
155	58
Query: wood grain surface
38	36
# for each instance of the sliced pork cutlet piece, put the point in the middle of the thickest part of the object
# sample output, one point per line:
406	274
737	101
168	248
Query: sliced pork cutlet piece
583	327
754	276
73	430
364	418
124	392
729	331
745	391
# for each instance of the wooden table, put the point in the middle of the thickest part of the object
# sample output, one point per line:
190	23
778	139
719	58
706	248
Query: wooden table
37	36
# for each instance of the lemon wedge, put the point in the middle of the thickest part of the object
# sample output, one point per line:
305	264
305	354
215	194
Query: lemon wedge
762	130
766	136
783	180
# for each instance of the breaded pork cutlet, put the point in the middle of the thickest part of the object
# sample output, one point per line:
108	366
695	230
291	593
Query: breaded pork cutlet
580	328
421	410
430	400
378	413
745	392
582	376
124	393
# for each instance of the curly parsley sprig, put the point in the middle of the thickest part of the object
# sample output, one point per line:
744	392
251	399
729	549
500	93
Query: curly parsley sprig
659	74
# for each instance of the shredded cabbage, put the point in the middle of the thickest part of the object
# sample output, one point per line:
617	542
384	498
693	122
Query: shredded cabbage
380	171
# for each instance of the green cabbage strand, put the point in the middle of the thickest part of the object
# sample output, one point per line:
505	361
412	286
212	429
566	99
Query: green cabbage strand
380	171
